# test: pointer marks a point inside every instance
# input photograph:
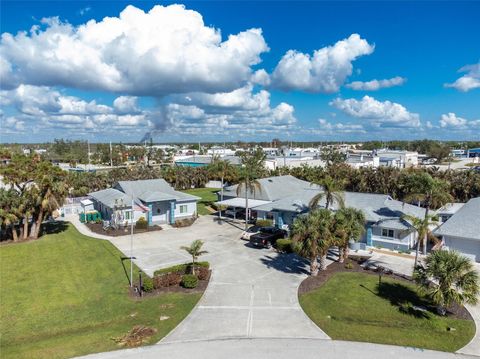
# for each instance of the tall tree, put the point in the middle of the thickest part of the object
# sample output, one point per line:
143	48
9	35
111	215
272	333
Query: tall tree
252	166
312	234
220	169
332	191
448	277
349	223
431	192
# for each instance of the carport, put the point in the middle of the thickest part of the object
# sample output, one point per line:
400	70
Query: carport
239	202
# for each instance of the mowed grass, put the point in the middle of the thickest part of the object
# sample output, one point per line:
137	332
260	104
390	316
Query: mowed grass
67	294
349	306
207	196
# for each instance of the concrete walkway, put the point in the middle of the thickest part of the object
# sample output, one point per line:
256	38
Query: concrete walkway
275	349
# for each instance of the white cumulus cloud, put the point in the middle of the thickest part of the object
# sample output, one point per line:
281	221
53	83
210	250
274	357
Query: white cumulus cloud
469	81
324	71
166	50
453	122
382	114
340	127
375	85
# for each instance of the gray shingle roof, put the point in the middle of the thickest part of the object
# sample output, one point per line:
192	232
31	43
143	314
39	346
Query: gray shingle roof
464	223
273	188
153	190
109	196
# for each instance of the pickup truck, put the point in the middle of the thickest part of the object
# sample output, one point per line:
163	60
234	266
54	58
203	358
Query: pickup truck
267	237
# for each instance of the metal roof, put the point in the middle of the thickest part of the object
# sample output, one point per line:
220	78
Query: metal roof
464	223
240	202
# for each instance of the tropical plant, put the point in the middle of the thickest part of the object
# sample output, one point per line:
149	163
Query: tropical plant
195	250
349	224
312	234
432	192
422	225
253	163
220	168
447	277
332	192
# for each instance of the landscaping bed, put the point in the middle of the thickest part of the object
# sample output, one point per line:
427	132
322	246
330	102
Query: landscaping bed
121	231
350	304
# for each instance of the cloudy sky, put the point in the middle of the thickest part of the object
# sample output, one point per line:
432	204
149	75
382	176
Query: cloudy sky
203	71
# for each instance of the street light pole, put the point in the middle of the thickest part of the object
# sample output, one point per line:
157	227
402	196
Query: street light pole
131	245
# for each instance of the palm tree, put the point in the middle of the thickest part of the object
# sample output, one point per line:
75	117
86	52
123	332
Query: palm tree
312	233
331	192
253	163
195	250
221	168
349	223
422	225
448	277
432	192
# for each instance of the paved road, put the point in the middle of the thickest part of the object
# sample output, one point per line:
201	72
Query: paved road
275	349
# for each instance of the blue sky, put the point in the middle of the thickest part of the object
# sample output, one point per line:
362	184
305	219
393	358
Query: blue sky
153	76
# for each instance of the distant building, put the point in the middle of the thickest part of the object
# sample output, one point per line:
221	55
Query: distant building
361	160
399	159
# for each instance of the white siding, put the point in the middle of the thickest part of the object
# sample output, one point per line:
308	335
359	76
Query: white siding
191	209
468	247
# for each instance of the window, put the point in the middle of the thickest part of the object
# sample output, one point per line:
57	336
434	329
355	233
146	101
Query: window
388	233
127	215
183	208
158	210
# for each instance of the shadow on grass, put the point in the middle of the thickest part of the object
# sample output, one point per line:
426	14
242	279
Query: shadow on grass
53	227
404	298
287	263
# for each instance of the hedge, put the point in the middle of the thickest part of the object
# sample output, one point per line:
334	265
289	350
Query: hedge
264	222
285	245
180	268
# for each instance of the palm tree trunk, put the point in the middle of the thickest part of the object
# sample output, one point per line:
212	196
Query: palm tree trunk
323	261
426	233
193	265
38	224
14	233
313	266
25	227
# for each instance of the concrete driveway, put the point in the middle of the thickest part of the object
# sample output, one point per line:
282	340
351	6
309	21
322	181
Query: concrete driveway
252	292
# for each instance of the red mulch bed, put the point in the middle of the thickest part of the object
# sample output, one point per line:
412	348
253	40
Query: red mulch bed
312	283
122	231
200	288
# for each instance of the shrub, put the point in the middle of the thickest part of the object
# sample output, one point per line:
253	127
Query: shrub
147	284
167	280
349	265
264	222
202	273
285	245
181	268
185	222
141	223
189	281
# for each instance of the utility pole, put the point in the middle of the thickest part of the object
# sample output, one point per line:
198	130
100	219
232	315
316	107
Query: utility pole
111	160
88	149
131	244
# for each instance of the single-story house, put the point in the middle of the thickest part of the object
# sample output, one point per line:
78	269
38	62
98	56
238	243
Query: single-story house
283	198
461	231
155	200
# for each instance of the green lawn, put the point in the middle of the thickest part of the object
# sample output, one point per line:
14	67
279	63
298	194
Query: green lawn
208	196
66	295
349	307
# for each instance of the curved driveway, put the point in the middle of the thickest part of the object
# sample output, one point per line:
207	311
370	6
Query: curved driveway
250	308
